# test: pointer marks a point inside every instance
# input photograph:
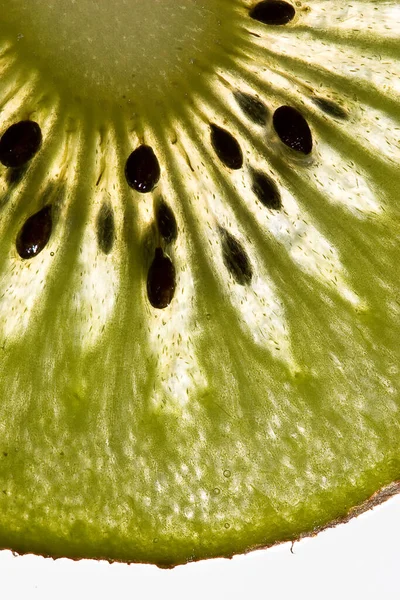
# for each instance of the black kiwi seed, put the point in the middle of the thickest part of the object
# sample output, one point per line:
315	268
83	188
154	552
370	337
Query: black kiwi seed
253	108
20	143
235	259
226	148
293	129
142	169
161	280
105	229
330	108
273	12
16	175
166	222
266	190
35	233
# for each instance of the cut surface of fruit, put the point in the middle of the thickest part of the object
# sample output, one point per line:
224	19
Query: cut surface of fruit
199	292
124	47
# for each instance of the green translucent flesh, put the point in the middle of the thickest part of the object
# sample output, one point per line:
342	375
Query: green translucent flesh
237	417
133	54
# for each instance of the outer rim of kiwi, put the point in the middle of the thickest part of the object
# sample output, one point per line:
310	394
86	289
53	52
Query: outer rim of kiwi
378	498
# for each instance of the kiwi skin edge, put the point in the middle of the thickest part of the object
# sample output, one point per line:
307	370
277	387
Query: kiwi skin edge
379	497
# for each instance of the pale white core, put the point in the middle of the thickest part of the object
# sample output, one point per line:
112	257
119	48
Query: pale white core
130	45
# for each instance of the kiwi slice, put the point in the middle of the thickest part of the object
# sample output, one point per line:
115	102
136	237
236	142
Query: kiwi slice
199	288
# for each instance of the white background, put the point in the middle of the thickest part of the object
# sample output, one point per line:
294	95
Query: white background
359	560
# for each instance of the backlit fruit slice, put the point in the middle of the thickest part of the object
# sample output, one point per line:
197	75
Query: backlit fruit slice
199	283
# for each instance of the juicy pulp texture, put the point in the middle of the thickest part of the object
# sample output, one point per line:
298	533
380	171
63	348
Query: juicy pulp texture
129	51
263	401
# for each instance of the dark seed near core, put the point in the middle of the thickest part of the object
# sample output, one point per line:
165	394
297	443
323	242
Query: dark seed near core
35	233
142	169
161	280
20	143
330	108
266	190
253	108
166	222
293	129
105	229
235	259
16	175
273	12
226	148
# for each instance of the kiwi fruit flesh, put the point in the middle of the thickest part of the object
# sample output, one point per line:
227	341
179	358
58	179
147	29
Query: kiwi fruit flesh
199	291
